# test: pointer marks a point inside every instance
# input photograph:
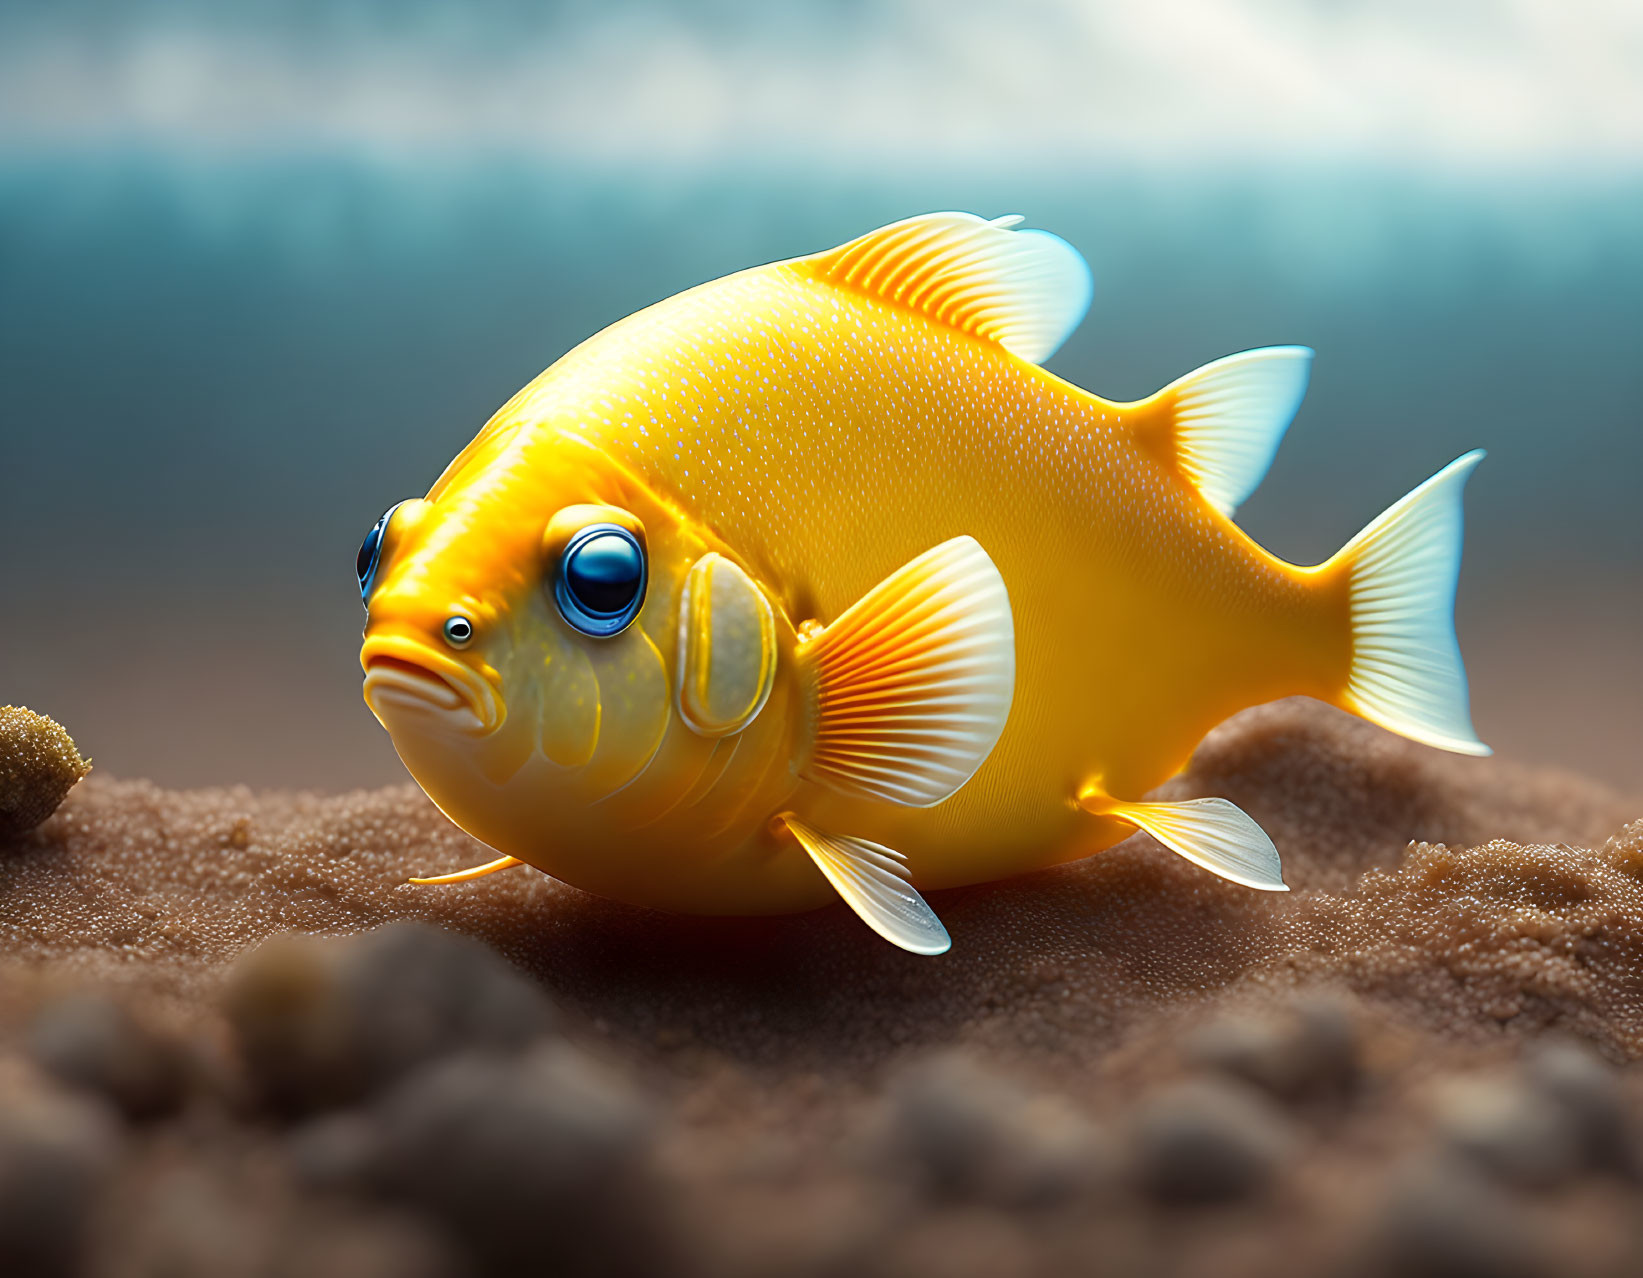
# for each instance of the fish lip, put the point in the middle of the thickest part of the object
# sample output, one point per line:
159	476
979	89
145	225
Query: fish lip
408	675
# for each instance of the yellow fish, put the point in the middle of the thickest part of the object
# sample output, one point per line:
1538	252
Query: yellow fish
810	583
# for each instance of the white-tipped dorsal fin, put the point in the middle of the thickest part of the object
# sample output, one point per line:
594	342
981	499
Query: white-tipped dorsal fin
1406	672
1222	423
1213	833
1025	290
872	880
911	687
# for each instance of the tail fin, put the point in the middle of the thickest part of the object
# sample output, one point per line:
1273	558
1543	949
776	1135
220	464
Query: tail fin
1406	672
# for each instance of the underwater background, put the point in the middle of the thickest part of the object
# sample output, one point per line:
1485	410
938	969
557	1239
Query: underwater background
263	271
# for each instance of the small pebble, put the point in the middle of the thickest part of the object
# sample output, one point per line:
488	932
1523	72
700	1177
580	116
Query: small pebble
1509	1131
367	1245
1311	1052
328	1022
1587	1092
192	1218
39	765
198	1218
1441	1219
1208	1141
57	1152
536	1162
335	1152
92	1042
973	1134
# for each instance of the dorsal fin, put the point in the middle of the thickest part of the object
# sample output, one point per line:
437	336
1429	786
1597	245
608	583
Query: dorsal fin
1221	424
1025	290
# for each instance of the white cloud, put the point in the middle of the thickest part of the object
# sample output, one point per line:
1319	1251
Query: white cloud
1425	81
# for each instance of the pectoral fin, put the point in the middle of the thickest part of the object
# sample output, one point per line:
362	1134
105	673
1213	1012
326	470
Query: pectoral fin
912	685
477	872
872	879
1212	833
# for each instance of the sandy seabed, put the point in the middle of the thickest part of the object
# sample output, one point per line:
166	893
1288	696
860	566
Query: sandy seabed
234	1042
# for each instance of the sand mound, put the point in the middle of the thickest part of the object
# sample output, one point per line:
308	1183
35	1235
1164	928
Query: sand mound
1123	1058
38	767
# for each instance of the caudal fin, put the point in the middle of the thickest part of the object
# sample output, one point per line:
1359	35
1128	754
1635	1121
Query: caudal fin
1406	672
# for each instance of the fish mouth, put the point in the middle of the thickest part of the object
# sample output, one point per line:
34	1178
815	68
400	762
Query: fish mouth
402	676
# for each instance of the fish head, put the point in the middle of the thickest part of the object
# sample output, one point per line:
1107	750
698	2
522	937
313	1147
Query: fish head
520	643
433	629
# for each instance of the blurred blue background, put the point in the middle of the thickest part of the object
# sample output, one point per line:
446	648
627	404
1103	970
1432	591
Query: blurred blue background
265	268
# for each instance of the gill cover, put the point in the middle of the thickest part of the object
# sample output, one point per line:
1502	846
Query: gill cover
727	648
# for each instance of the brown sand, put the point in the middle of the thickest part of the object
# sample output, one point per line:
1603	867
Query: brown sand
1417	1061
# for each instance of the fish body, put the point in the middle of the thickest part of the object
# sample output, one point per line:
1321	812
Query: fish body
786	441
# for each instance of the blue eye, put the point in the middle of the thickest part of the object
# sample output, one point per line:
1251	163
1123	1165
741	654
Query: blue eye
370	551
601	581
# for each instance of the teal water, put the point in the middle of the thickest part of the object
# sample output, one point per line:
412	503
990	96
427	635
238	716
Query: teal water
215	374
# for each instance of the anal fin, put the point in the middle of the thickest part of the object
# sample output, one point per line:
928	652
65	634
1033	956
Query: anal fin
1213	833
872	880
477	872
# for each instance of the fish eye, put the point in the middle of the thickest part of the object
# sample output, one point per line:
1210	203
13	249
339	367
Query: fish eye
370	552
458	631
600	585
